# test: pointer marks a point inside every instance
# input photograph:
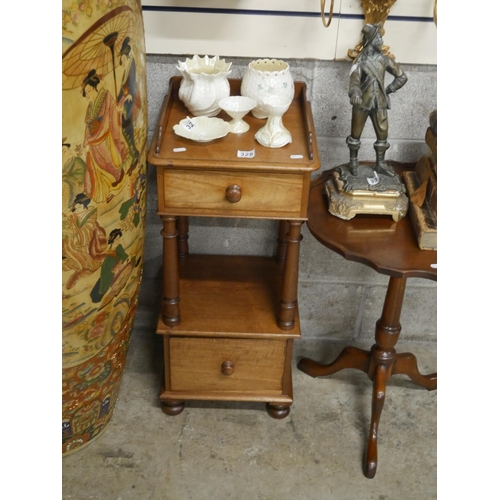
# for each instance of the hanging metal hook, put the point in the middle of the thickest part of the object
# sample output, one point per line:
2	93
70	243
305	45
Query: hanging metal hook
330	14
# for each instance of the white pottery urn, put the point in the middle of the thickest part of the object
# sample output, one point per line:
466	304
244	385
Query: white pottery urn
204	84
267	78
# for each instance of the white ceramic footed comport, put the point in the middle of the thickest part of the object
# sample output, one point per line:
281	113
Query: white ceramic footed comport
237	107
204	84
265	78
274	134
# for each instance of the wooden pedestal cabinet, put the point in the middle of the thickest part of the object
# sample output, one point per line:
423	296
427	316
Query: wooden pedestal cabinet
228	322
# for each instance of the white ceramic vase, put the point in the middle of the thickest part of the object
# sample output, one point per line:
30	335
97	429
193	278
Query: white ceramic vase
267	78
274	134
204	84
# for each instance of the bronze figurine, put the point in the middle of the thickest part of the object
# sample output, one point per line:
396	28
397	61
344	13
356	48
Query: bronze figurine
370	98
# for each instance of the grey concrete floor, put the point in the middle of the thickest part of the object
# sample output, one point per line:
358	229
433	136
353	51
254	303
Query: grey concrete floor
236	451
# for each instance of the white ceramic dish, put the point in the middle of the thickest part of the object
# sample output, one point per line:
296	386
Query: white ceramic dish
202	128
237	107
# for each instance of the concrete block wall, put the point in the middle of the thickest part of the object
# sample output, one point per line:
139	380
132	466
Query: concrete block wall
338	300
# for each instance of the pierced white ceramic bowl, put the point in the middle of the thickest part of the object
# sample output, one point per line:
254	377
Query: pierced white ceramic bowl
237	106
266	78
202	128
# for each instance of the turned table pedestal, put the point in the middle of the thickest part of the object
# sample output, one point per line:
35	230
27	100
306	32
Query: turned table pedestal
390	248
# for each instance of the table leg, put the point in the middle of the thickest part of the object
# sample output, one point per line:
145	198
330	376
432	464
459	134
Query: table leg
286	317
379	364
350	357
282	241
170	310
381	376
406	364
182	238
383	357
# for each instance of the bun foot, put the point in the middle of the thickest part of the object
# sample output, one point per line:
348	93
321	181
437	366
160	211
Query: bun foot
172	408
278	411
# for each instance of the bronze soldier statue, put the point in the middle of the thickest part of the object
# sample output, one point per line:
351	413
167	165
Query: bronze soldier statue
370	97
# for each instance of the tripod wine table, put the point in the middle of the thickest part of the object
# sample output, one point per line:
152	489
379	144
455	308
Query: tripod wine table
390	248
228	322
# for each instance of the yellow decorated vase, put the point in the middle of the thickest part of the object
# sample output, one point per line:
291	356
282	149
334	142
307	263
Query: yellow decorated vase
104	129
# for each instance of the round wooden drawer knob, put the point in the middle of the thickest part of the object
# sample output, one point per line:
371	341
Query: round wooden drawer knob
227	368
233	193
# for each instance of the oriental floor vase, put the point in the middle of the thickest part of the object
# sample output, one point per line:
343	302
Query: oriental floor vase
104	129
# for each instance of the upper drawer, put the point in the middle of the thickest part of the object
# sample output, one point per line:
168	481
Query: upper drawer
242	194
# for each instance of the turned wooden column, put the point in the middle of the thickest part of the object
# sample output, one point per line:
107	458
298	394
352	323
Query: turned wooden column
282	241
183	236
170	311
289	287
383	356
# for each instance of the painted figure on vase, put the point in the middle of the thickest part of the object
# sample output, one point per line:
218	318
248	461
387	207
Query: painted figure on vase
128	99
115	270
73	174
106	148
370	98
84	241
130	211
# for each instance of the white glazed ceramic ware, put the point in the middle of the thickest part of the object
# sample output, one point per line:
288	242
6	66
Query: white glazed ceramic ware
202	128
274	134
266	78
237	107
204	84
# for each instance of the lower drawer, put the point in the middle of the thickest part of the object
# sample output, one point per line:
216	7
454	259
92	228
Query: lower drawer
205	364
